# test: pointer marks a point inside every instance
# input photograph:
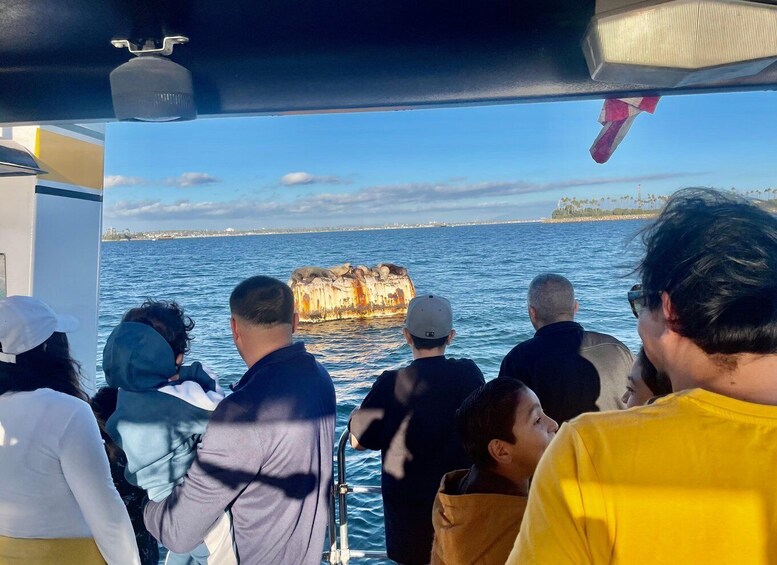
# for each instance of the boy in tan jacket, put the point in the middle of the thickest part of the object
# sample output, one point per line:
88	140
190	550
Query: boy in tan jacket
478	512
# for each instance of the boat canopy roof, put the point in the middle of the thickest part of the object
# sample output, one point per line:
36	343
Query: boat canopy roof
250	57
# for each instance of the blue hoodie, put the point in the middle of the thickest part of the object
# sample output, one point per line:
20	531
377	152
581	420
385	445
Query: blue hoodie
156	423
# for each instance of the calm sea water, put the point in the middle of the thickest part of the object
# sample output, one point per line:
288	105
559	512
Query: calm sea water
483	270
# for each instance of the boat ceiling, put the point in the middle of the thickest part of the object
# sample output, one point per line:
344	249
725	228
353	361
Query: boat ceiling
284	56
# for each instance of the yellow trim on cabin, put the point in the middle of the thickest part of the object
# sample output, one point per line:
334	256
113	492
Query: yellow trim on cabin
70	160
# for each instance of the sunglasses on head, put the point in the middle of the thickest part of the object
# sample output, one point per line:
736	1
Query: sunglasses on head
638	299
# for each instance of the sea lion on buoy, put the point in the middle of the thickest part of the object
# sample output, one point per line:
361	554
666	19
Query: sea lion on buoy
341	270
343	291
395	269
307	273
360	272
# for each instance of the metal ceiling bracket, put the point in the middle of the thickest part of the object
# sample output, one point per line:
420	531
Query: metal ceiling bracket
149	47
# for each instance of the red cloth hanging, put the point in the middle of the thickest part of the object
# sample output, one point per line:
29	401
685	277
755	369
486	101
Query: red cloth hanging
616	118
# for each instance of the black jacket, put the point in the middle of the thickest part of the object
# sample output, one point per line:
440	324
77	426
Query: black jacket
571	370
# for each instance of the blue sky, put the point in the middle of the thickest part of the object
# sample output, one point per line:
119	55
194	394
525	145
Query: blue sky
446	165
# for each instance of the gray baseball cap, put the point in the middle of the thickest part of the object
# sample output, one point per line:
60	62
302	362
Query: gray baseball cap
429	317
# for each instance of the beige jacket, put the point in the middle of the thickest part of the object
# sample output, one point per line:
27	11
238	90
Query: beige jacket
70	551
473	529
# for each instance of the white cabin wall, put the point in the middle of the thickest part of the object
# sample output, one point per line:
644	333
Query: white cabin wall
51	225
66	269
17	228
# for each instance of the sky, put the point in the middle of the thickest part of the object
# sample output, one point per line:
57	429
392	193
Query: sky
488	163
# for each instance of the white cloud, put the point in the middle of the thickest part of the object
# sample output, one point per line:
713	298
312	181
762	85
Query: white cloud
187	180
385	203
114	181
292	179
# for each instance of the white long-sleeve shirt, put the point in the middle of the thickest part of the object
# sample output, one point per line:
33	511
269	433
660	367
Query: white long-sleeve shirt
55	481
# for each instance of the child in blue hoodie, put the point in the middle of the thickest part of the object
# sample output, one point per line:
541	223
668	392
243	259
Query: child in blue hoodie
162	410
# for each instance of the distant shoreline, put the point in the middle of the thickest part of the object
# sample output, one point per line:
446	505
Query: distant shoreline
189	234
600	218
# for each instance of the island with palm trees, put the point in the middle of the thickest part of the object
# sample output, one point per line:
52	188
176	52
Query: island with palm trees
627	207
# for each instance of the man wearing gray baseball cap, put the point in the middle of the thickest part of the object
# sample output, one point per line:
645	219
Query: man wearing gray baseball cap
409	416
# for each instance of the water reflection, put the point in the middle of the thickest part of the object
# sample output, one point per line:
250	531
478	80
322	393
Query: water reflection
351	347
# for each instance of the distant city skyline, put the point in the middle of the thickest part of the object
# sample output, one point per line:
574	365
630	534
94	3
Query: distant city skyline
491	163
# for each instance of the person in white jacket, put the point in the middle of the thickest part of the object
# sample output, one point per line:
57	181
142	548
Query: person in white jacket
59	504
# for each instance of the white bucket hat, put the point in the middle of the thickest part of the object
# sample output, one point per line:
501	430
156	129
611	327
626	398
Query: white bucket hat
25	323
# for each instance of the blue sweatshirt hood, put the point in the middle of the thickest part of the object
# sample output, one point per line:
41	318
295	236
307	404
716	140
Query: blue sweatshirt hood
137	358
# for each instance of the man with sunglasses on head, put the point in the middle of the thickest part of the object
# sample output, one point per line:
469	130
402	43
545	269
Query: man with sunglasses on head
690	478
571	370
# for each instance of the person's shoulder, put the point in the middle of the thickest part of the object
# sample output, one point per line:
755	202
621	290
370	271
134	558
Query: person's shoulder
592	338
59	407
600	425
523	347
59	401
239	402
469	374
390	374
526	343
463	362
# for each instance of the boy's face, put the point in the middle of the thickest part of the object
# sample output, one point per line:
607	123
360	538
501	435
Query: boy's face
533	432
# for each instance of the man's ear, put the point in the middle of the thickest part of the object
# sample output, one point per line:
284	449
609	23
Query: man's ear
577	307
235	331
295	322
667	309
532	315
408	337
499	452
450	337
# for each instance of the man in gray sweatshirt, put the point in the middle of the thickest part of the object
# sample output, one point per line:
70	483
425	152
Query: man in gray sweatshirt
267	451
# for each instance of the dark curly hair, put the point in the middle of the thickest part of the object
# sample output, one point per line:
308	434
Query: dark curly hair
168	319
715	254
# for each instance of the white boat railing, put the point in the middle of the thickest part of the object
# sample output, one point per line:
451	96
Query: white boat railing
340	552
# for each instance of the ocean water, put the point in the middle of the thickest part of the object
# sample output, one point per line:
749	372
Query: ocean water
483	270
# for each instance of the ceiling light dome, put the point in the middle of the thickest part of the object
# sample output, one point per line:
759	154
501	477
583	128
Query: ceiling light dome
676	43
151	87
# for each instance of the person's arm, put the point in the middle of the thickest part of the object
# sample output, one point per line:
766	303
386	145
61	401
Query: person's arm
355	444
366	422
228	459
88	474
477	373
565	521
504	368
516	365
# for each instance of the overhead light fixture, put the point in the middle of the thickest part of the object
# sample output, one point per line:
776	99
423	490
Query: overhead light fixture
16	160
150	87
677	43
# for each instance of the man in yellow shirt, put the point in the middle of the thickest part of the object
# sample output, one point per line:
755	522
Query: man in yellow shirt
690	478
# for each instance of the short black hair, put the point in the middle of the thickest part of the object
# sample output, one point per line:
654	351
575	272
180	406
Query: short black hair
428	343
168	319
715	254
488	413
658	383
263	301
